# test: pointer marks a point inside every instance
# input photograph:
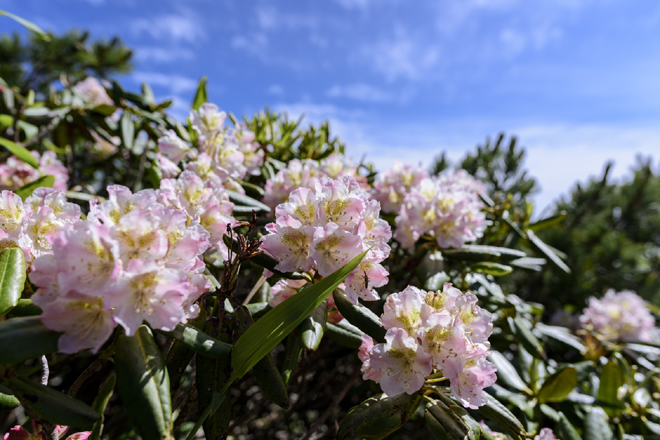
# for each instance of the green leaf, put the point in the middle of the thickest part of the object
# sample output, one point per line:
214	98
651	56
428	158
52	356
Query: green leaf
148	94
245	204
312	328
25	307
25	338
535	264
26	190
201	96
507	373
443	423
197	340
7	401
27	24
611	379
54	406
359	316
100	402
143	384
127	130
19	151
273	327
566	429
344	333
378	416
498	413
435	282
527	338
257	310
557	386
560	334
547	222
12	278
490	268
545	250
480	252
596	425
292	352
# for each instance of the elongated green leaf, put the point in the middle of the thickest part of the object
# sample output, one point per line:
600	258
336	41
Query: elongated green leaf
100	402
245	203
201	97
443	422
127	130
7	400
566	429
25	338
345	333
12	278
535	264
359	316
504	418
506	373
144	385
557	386
596	425
24	307
292	352
312	328
19	151
435	282
480	252
560	334
273	327
378	416
26	190
547	222
197	340
257	310
527	338
545	250
491	268
611	379
54	406
27	24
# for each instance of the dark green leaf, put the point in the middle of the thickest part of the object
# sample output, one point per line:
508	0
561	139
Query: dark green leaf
378	416
545	250
7	400
547	222
27	24
100	402
566	429
54	406
201	96
273	327
557	386
596	425
527	338
127	130
144	385
359	316
292	352
560	334
257	310
12	278
197	340
25	338
506	373
19	151
312	328
245	203
345	333
490	268
611	379
26	190
480	252
504	418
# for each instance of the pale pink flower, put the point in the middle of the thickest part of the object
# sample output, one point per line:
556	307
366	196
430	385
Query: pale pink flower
302	206
173	147
49	164
545	434
168	169
207	119
362	281
391	187
92	92
364	354
446	341
290	244
333	248
12	214
404	310
468	385
284	289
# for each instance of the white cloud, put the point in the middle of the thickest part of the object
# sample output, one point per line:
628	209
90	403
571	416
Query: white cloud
270	18
255	44
174	83
275	89
162	55
184	26
360	92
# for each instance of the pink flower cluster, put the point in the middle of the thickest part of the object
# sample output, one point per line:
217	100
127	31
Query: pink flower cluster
20	433
92	92
391	187
31	225
15	173
444	331
446	208
307	173
323	229
137	257
621	316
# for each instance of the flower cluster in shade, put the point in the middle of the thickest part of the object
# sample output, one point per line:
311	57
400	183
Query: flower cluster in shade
443	331
20	433
306	173
321	230
544	434
621	316
15	173
222	155
446	208
135	258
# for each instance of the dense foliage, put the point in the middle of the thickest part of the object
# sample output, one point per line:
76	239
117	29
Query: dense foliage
212	277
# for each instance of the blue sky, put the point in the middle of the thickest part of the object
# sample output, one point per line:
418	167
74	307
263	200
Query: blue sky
576	80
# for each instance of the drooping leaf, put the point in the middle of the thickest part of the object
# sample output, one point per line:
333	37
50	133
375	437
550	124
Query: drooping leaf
201	95
312	328
197	340
127	130
26	190
27	24
245	204
19	151
273	327
54	406
527	338
545	250
476	252
560	334
25	338
144	385
611	379
596	425
359	316
345	333
7	400
99	404
504	418
557	386
566	429
12	278
292	352
507	373
378	416
491	268
547	222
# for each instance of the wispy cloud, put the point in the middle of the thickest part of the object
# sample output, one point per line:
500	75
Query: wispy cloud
255	44
271	18
360	92
275	89
174	83
183	26
161	55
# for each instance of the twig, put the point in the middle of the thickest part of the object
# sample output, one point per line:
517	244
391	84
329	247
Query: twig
334	404
254	289
45	371
43	132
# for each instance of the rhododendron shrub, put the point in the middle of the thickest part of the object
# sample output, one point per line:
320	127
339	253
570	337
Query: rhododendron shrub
218	278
